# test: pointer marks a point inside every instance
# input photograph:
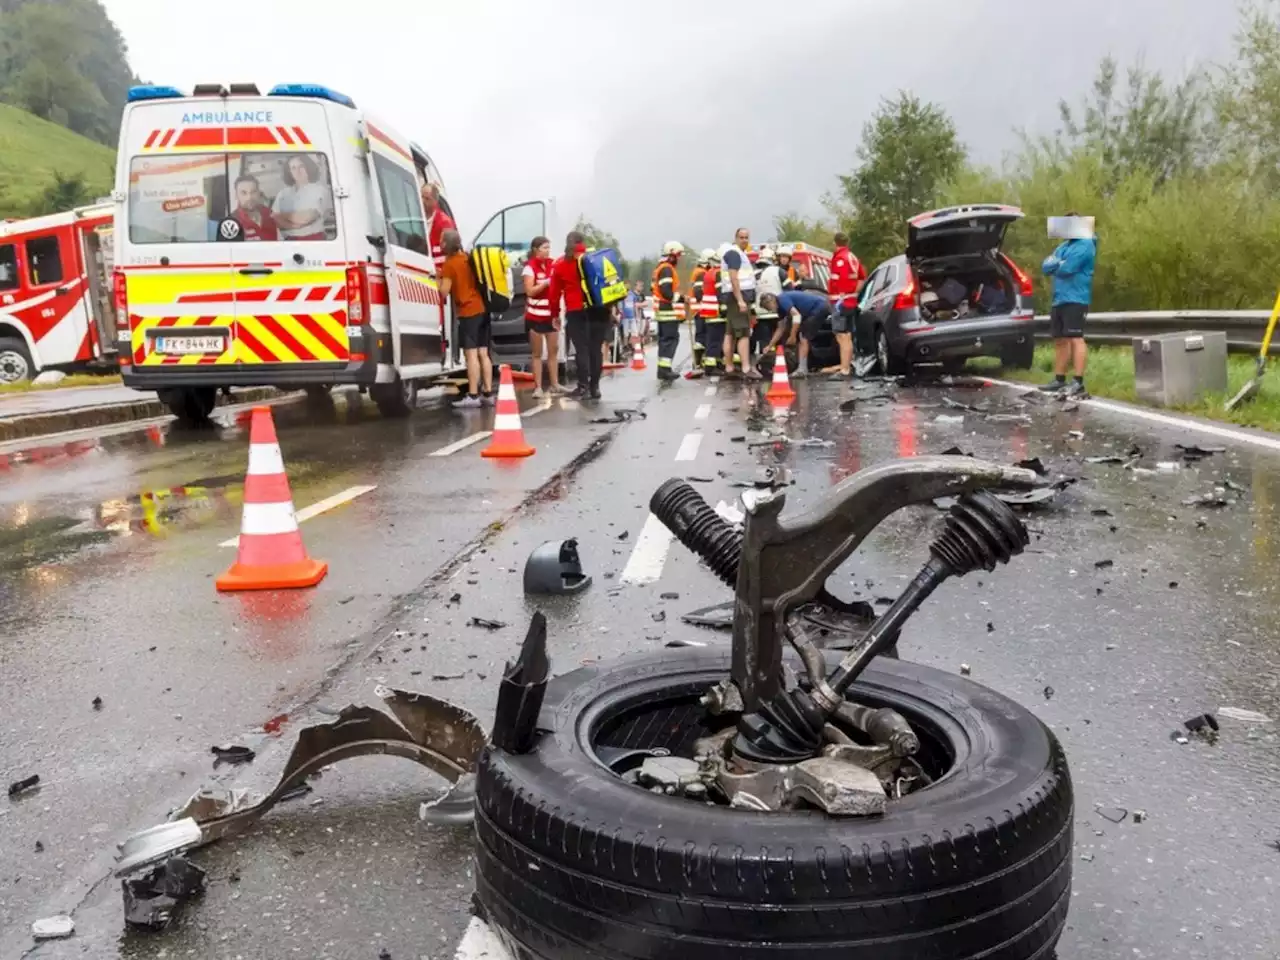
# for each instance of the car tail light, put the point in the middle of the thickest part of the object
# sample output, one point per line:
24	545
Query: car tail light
357	294
906	299
120	290
1025	286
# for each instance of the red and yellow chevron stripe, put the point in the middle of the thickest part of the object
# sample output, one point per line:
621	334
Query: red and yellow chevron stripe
191	139
300	318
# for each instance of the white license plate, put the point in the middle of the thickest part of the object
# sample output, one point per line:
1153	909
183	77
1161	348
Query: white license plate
185	346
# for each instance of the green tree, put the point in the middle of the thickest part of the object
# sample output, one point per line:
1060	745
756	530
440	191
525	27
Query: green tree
64	61
791	227
909	149
1247	94
65	193
1146	123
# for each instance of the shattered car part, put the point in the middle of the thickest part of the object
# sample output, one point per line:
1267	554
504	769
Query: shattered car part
555	568
980	533
151	900
440	736
520	695
53	928
19	787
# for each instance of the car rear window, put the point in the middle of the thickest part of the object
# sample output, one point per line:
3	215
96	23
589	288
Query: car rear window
285	196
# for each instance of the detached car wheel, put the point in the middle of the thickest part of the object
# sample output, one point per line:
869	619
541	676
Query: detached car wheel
575	862
396	399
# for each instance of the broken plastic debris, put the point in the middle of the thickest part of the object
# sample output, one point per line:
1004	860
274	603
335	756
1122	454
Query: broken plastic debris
669	596
1192	452
1114	814
1139	816
151	899
1104	564
965	670
1075	434
684	643
1048	693
1214	498
944	418
209	803
1110	458
486	624
524	683
1203	725
954	452
1035	465
438	735
97	703
1243	715
730	512
53	928
1168	466
231	753
22	786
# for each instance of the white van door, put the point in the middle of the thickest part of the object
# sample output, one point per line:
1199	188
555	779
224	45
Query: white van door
513	229
417	316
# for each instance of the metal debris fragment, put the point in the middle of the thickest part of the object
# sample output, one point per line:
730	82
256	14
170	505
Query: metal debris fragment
231	753
151	899
1203	725
486	624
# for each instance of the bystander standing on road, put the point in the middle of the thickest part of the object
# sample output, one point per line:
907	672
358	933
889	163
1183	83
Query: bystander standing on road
847	277
543	323
1071	267
458	280
586	326
738	292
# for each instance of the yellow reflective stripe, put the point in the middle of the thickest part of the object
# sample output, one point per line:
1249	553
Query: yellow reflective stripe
332	327
305	337
268	339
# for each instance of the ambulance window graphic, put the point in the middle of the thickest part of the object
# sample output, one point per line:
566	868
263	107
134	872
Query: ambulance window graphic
273	196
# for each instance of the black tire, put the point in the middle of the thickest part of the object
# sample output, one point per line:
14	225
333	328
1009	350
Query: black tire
572	862
15	361
191	405
318	391
1020	356
397	399
887	363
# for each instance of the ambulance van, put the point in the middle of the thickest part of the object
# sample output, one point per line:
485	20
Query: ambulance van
280	240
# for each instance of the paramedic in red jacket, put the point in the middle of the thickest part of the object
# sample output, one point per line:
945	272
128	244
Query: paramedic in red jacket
437	222
586	327
542	321
847	276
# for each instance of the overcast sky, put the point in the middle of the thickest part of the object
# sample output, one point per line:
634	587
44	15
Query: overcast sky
700	116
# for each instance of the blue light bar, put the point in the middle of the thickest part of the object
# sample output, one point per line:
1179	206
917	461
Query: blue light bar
310	90
137	94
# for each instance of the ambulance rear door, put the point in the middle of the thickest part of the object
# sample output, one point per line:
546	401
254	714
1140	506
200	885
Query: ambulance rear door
285	223
178	290
417	314
513	229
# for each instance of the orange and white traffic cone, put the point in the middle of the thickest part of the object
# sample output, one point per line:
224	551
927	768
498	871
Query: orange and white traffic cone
637	357
508	434
780	388
270	555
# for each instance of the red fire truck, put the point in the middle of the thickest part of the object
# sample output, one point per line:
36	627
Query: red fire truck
56	306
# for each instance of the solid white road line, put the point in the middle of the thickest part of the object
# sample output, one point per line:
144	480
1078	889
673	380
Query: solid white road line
689	447
649	554
481	943
323	506
710	391
1164	419
703	411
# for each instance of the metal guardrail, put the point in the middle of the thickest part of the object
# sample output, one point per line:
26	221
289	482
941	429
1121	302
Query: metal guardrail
1244	328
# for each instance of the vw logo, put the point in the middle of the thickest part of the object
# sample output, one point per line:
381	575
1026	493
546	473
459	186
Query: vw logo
229	229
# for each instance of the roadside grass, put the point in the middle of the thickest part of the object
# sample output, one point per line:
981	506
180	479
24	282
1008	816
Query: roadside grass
1110	375
71	380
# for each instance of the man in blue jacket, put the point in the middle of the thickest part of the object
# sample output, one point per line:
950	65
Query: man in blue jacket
1071	267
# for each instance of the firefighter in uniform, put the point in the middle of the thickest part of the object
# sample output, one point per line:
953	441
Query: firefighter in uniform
666	294
787	267
710	313
768	280
693	308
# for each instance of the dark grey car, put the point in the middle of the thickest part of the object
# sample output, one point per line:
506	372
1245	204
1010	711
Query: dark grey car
953	295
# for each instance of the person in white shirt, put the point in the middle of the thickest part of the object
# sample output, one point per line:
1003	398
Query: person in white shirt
302	204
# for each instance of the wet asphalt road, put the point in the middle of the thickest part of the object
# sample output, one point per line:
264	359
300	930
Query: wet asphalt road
105	590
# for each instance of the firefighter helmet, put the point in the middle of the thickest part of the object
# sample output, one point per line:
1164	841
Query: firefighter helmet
708	255
672	248
786	250
765	254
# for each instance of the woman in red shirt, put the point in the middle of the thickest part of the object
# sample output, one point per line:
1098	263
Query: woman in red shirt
586	326
542	321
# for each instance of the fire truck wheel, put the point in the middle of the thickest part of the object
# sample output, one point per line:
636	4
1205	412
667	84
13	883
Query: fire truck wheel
572	860
15	362
191	405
